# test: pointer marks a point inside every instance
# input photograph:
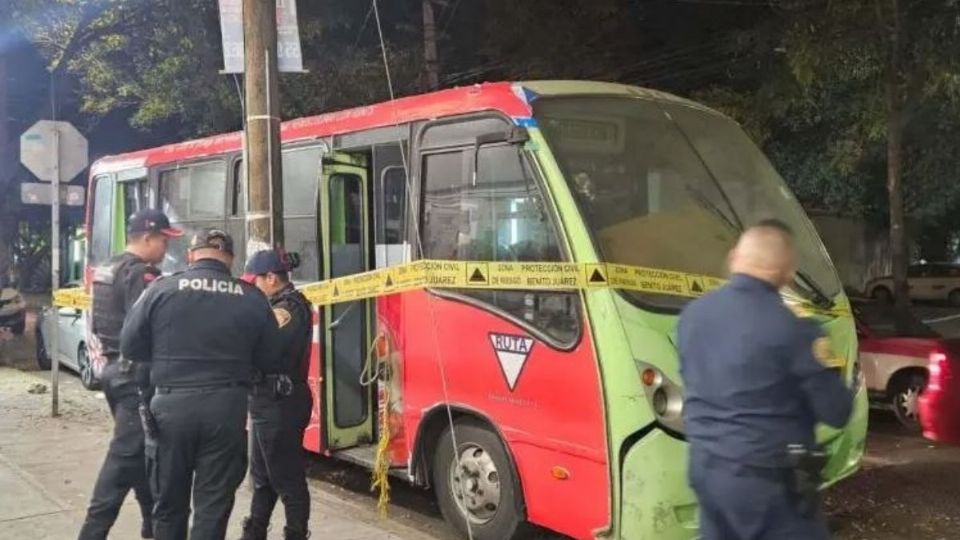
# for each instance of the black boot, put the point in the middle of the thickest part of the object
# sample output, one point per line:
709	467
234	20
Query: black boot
253	530
292	534
146	528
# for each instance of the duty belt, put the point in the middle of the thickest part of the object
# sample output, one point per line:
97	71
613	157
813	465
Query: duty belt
161	389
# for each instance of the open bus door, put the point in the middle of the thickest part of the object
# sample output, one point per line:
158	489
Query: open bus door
347	416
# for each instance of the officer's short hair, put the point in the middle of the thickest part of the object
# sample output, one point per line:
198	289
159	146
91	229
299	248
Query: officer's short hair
137	236
776	224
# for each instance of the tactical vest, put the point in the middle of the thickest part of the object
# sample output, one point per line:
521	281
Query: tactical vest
300	367
109	308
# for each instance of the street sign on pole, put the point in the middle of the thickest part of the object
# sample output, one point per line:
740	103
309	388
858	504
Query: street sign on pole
289	52
37	148
55	152
37	193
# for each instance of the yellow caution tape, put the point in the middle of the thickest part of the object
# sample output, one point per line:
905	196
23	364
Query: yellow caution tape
507	275
72	298
533	276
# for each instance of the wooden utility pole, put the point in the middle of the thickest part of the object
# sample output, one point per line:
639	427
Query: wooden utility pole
431	63
262	126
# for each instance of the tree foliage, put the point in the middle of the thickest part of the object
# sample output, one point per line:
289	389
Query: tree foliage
819	83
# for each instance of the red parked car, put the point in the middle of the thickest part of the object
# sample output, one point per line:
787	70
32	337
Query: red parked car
895	362
940	403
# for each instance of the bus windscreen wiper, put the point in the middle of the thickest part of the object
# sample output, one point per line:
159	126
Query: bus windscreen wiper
820	298
711	207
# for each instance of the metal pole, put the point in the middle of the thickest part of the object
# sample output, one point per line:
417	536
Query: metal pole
55	255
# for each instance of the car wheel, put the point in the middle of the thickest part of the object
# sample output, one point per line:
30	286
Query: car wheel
905	394
882	294
481	487
43	358
87	378
954	298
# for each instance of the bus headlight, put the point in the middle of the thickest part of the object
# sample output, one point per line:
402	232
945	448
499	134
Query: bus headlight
664	395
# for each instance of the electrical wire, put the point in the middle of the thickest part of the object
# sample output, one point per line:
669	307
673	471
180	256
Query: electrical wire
420	251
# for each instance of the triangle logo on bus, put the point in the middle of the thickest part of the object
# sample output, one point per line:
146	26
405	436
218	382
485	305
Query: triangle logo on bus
512	354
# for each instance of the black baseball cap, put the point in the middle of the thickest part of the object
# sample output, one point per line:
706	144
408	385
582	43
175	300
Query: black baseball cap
212	239
263	262
151	220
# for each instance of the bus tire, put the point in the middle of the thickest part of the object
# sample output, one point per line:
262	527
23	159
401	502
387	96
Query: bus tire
483	489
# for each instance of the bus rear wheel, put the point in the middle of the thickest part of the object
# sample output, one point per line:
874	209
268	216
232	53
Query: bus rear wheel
476	486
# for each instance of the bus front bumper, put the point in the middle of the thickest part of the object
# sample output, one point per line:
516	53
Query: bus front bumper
657	501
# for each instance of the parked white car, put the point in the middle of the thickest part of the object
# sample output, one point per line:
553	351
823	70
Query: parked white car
931	282
72	352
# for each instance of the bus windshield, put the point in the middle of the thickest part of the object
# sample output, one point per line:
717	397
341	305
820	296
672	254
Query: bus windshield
670	186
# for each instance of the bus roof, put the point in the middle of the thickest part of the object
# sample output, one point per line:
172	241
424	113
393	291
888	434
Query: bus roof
508	98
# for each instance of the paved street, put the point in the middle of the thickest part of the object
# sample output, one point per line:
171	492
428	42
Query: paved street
48	468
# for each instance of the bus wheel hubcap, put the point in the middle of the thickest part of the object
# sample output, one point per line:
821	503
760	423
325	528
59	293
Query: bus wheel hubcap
475	483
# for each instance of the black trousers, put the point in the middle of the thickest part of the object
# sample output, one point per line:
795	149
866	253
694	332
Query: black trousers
277	465
123	468
740	502
200	450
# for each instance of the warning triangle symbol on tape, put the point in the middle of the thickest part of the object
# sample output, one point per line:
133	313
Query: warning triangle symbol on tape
336	291
389	282
597	277
696	287
477	276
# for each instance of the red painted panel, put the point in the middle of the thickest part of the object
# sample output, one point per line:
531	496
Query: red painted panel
553	417
492	96
313	436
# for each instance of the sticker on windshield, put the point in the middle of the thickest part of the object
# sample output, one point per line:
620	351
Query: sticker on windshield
512	354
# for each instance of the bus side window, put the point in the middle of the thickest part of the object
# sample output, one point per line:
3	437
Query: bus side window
193	196
102	214
134	194
301	175
390	204
500	217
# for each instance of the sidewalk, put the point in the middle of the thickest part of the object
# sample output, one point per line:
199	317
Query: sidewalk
48	467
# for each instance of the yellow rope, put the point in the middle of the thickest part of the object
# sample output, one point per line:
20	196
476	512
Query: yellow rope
381	466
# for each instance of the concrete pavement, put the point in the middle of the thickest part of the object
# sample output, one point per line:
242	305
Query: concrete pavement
48	467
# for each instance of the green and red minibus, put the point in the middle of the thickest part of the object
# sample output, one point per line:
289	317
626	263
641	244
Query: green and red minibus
565	405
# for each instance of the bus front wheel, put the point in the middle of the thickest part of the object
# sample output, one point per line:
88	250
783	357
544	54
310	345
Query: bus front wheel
476	486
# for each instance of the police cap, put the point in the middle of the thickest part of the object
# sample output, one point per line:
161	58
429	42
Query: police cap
151	220
274	261
212	239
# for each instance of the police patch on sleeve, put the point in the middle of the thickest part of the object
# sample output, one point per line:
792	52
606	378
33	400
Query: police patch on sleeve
823	351
283	316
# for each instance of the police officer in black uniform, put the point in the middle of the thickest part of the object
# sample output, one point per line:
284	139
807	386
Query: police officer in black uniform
116	286
280	406
755	387
202	332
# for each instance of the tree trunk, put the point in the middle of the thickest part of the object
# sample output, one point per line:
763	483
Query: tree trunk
896	120
898	238
431	64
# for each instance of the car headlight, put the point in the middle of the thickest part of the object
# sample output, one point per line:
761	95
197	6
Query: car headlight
664	396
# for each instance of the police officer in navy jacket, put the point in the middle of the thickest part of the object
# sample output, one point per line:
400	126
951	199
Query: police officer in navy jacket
755	387
280	406
202	332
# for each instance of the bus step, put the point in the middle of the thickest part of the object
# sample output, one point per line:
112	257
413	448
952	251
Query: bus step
365	456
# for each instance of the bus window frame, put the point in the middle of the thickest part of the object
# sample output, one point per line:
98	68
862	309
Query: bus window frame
222	159
111	209
415	222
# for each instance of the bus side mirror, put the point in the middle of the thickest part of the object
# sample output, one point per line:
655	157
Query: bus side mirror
516	135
